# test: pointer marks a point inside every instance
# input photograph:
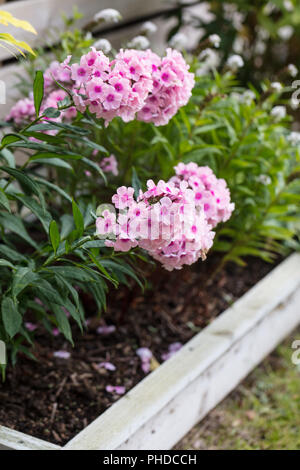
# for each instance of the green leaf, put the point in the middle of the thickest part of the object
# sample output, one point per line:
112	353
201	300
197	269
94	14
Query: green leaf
15	225
78	218
54	235
54	187
94	165
28	184
21	279
38	91
4	262
47	293
95	146
10	139
62	322
51	113
11	254
9	157
118	267
58	162
50	125
50	155
136	184
43	215
12	320
4	201
67	225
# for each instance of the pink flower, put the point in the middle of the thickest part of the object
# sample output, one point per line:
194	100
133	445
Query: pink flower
106	224
62	354
106	329
110	164
172	86
172	220
134	82
118	389
123	198
145	355
107	366
173	348
30	326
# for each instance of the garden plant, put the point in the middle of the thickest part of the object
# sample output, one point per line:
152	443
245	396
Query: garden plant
116	160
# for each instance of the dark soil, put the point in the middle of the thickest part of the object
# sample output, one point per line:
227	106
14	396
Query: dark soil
54	399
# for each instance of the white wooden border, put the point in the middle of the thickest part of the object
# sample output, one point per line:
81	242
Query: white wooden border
162	408
165	405
15	440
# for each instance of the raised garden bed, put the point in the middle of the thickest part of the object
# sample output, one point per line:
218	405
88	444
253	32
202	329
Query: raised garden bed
184	388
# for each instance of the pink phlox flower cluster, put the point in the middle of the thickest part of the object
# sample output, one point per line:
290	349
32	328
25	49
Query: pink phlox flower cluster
164	221
110	89
110	165
172	88
134	83
22	111
211	193
56	72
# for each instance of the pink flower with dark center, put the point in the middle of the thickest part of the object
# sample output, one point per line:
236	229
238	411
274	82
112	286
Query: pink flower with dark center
118	389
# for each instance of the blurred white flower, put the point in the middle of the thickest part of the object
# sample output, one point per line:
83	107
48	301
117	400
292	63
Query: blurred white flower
248	96
264	179
88	36
215	40
294	138
103	45
139	42
239	44
276	86
211	60
288	5
269	8
200	12
292	70
278	112
260	47
179	41
108	15
285	32
210	57
232	14
235	62
148	28
262	33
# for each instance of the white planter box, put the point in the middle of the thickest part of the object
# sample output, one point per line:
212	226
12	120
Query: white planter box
164	406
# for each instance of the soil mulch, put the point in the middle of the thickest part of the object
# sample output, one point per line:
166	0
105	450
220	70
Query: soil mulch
55	398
